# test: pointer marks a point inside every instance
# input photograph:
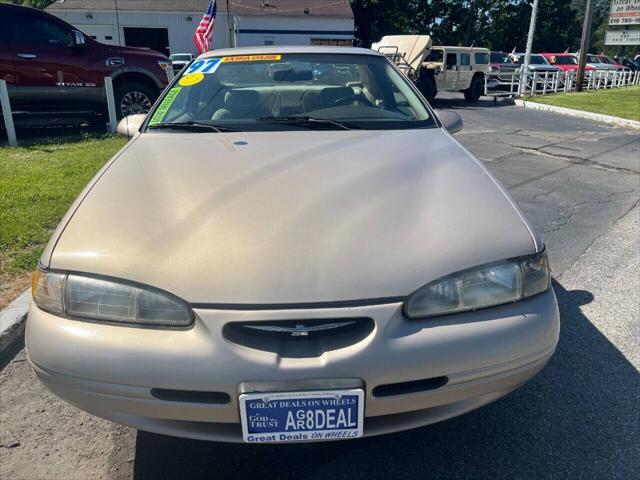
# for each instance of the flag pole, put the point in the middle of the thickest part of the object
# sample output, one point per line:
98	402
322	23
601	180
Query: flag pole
229	27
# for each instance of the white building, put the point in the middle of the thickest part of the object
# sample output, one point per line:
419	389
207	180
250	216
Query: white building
168	25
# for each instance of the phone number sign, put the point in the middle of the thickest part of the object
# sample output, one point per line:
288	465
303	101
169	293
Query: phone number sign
624	12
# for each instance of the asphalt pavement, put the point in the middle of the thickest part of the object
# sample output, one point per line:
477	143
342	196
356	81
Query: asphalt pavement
578	182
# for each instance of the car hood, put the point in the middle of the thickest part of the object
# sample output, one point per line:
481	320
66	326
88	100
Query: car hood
291	217
602	66
548	68
136	51
504	65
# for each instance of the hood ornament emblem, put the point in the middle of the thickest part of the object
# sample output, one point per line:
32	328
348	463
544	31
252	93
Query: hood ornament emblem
301	330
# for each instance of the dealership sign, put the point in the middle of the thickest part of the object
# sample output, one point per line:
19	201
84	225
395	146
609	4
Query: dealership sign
623	37
624	12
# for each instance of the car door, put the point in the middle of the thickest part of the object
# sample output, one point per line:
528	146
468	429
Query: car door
7	60
448	78
465	71
52	75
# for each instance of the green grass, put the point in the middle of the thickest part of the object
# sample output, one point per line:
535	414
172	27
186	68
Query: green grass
620	102
38	183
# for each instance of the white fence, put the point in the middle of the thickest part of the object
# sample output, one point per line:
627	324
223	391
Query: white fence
536	83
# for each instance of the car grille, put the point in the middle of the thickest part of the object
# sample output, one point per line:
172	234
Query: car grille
507	70
299	338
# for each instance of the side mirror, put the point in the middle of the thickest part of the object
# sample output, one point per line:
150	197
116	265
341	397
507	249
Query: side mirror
78	40
129	126
451	121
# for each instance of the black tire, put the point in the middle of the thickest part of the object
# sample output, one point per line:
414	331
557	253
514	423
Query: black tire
475	90
427	87
134	97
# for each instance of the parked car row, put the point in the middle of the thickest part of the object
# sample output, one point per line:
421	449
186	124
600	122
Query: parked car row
465	69
503	65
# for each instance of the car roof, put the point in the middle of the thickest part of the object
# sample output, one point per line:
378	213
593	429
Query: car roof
284	49
560	54
462	49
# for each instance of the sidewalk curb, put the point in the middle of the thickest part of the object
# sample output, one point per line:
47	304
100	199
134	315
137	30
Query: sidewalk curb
12	319
611	120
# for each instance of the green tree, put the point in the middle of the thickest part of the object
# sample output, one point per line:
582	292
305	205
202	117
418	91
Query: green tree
41	4
497	24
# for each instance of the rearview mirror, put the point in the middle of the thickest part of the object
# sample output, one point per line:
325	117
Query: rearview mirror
293	76
451	121
129	126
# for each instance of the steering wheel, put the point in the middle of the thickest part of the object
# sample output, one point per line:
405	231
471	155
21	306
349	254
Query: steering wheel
353	98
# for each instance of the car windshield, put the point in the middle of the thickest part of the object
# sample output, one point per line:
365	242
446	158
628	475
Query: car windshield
593	59
607	60
535	60
180	58
291	91
498	57
566	60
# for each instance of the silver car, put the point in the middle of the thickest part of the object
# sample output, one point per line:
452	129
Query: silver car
282	256
180	60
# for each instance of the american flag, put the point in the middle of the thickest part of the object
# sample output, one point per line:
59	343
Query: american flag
204	33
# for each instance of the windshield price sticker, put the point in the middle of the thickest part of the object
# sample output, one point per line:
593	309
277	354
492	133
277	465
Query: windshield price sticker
252	58
206	66
167	101
302	416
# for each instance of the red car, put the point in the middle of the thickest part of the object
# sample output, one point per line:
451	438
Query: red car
55	72
613	63
564	61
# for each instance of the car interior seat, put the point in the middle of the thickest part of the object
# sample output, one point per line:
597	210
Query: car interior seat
240	104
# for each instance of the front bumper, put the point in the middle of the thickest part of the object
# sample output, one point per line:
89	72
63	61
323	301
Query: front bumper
110	371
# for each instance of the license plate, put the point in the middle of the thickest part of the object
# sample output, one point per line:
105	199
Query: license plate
302	416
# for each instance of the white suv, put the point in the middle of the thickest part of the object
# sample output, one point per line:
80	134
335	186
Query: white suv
438	68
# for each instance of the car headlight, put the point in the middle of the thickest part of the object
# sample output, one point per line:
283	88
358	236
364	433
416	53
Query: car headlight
481	287
107	300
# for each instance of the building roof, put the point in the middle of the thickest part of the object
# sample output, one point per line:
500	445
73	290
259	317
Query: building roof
334	8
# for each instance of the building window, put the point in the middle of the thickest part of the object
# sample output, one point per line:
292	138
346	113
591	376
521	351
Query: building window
335	42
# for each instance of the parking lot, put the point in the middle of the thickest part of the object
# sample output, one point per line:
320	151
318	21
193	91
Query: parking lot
579	183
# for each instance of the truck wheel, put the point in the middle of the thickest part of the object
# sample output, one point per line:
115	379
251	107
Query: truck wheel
428	88
475	90
134	97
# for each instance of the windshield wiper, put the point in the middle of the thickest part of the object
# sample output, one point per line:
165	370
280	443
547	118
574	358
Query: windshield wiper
193	127
305	121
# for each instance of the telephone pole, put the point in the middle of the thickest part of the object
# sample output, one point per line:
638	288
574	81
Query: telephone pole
527	57
230	28
584	44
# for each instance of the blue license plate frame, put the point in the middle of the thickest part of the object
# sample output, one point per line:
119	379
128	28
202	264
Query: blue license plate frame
306	416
